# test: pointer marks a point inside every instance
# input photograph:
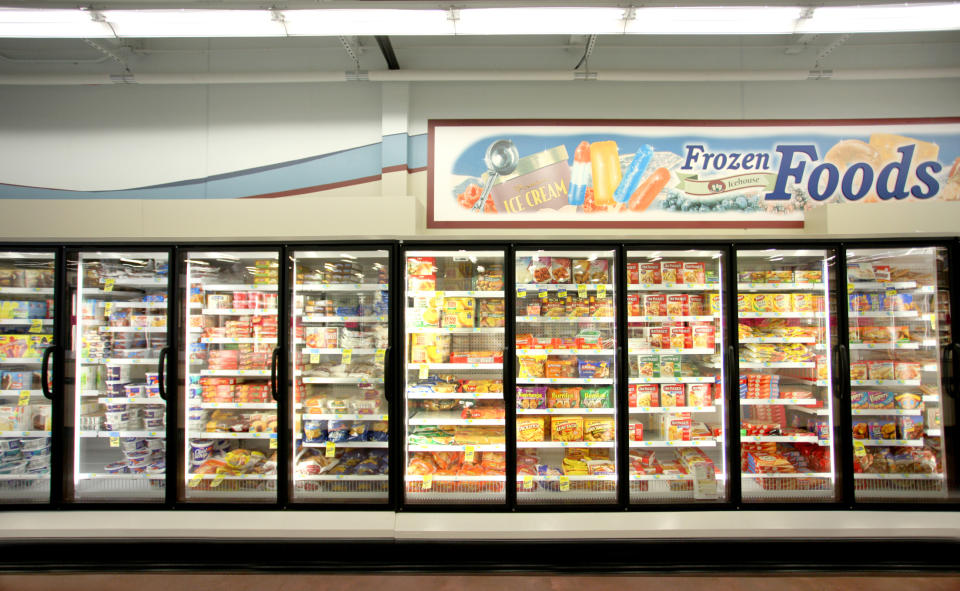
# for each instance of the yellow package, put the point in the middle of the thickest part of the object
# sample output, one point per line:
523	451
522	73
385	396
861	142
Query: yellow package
762	302
573	467
566	428
714	304
459	304
530	429
802	302
462	319
598	429
779	302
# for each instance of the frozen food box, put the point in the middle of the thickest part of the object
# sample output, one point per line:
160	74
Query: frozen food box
670	366
678	305
681	337
858	399
598	429
560	270
650	273
880	370
532	397
859	370
696	304
779	276
660	337
704	336
633	273
699	394
672	395
655	304
880	400
563	428
648	366
530	429
671	272
647	395
694	272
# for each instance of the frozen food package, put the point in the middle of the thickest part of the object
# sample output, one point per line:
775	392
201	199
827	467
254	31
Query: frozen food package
694	272
560	270
568	397
540	269
524	274
532	397
530	429
650	273
581	271
671	272
598	429
563	428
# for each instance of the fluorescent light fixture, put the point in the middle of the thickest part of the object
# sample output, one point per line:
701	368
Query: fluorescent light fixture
194	23
721	20
50	24
881	19
540	21
367	22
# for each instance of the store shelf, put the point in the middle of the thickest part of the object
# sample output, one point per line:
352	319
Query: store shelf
684	380
132	329
238	341
932	432
811	410
5	434
21	361
521	478
120	361
138	433
800	340
455	396
18	477
32	393
344	417
341	380
562	444
451	418
787	475
446	478
931	398
692	443
476	448
236	373
313	318
320	287
887	412
452	366
885	382
474	330
231	477
342	477
240	405
25	321
777	364
884	314
672	318
137	281
888	346
566	411
238	312
898	476
122	400
779	401
226	435
237	287
309	351
811	438
699	351
670	409
459	294
781	287
141	305
890	442
26	290
673	287
559	320
580	381
529	352
347	444
885	285
781	315
123	476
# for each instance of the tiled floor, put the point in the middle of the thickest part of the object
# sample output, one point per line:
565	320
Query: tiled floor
545	582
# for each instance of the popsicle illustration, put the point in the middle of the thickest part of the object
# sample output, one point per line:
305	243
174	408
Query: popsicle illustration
633	175
580	174
605	164
649	189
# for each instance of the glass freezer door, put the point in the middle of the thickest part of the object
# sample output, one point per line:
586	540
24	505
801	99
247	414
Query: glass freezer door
896	304
453	367
786	310
566	377
26	330
676	399
230	415
120	329
340	303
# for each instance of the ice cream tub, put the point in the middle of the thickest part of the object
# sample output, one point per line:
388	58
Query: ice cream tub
140	457
117	373
152	378
134	390
11	455
153	423
18	467
200	450
540	181
152	412
155	444
36	453
157	468
138	469
9	444
131	444
35	443
152	390
117	417
115	388
116	407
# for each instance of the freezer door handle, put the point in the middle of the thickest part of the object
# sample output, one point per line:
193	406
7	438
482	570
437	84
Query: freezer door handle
843	371
45	373
946	359
274	363
162	371
387	366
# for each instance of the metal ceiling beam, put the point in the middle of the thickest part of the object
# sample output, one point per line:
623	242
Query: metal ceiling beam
386	48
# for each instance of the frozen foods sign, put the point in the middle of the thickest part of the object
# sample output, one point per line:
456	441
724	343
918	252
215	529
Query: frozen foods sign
568	174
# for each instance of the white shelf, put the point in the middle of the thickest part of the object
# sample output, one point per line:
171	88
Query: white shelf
348	477
5	434
903	476
344	417
231	477
700	351
932	432
345	444
670	409
891	442
238	340
474	330
777	364
141	305
476	448
445	478
494	366
811	438
455	396
237	287
343	380
884	382
451	418
238	312
132	329
120	361
529	352
685	380
691	443
574	478
27	290
566	411
18	477
138	281
561	444
885	285
931	398
781	315
21	361
458	294
242	405
219	435
121	400
138	433
781	286
801	340
873	346
672	318
25	321
884	314
582	381
811	411
20	392
309	351
124	476
752	475
673	287
885	412
237	373
778	401
559	320
308	287
314	318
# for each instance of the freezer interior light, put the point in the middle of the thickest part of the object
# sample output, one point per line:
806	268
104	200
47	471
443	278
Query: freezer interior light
194	23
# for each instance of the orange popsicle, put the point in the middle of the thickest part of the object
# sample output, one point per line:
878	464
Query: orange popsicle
605	163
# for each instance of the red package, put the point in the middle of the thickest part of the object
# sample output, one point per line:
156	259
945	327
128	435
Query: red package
633	305
660	338
655	304
696	304
633	273
650	273
671	272
678	305
681	337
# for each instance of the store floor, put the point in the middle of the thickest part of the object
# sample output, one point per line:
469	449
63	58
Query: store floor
525	582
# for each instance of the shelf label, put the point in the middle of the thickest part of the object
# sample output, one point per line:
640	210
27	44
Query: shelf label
468	453
891	293
314	358
195	481
849	287
380	356
859	450
108	309
108	284
36	325
521	292
581	291
347	356
424	371
331	449
218	479
24	398
601	291
528	482
273	443
562	294
564	483
427	481
542	294
114	442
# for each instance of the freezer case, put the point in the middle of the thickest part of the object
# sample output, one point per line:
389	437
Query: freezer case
897	302
677	412
119	335
26	332
566	377
786	310
453	367
231	346
341	339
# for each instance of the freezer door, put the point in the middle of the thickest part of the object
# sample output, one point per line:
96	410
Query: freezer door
677	411
229	410
340	342
786	311
897	303
453	371
26	332
119	419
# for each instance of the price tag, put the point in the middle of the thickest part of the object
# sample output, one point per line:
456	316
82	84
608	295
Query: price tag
347	356
427	481
108	309
468	453
195	481
331	449
891	293
114	442
521	292
424	371
582	291
36	325
601	291
528	482
24	398
273	443
380	356
859	449
562	294
314	358
743	432
218	479
564	483
849	287
108	284
542	294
